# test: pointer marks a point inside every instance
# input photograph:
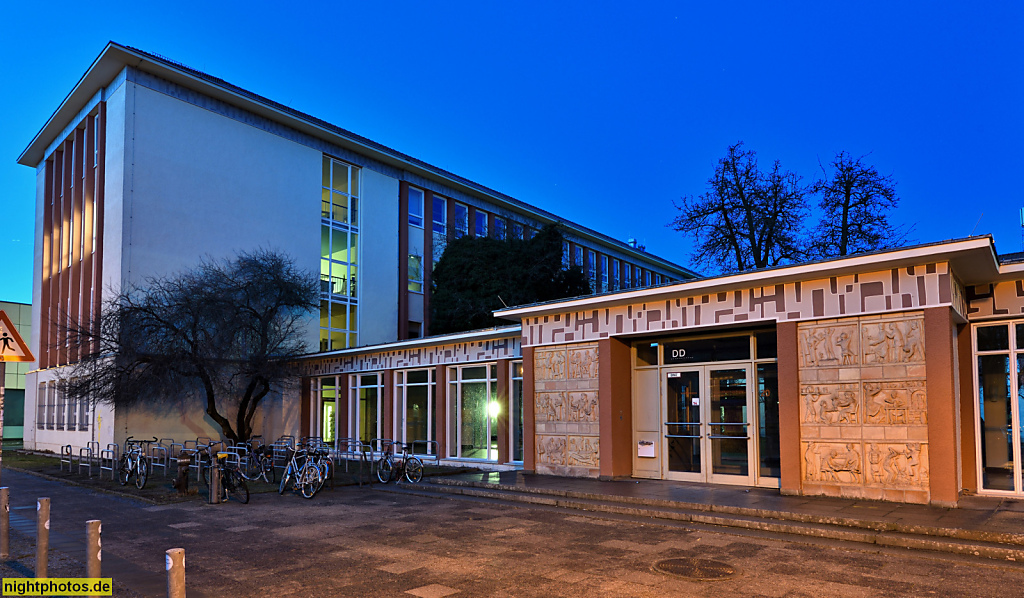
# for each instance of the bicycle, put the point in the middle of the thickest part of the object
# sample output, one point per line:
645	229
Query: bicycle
306	478
133	463
392	467
232	483
259	463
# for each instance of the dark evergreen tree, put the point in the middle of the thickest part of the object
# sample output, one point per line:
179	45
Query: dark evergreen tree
477	275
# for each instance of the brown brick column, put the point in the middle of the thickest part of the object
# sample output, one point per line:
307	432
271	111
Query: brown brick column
387	405
342	408
428	256
968	438
529	421
441	409
939	346
789	407
615	408
502	420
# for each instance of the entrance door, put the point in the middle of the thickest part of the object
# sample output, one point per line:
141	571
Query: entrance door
706	424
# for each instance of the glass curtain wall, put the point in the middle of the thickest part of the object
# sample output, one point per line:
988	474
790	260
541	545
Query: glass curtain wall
339	255
473	411
415	400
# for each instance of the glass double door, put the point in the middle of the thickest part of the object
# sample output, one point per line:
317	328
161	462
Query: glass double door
707	432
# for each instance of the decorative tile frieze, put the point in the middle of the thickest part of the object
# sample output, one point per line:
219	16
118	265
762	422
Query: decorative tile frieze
454	353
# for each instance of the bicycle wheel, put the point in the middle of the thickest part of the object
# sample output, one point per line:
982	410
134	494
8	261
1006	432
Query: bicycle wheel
385	468
142	473
413	469
124	470
269	472
285	478
235	486
312	480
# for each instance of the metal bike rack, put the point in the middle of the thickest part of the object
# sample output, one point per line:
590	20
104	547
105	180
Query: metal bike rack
159	456
65	457
85	458
175	449
111	453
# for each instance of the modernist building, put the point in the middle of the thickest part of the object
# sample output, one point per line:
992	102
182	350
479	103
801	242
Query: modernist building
149	166
894	376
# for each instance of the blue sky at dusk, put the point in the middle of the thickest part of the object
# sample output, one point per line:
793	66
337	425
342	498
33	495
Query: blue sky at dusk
603	113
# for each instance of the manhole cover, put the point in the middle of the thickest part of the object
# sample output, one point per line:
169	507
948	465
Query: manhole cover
695	568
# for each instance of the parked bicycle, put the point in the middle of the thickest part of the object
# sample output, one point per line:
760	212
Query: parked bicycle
392	466
306	477
232	483
133	463
259	462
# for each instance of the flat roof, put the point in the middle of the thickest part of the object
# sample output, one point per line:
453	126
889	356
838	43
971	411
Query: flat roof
115	57
972	260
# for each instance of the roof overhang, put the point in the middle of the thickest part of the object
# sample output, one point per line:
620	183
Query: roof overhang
486	334
115	57
972	261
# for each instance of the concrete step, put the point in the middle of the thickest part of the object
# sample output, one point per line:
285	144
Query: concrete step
946	540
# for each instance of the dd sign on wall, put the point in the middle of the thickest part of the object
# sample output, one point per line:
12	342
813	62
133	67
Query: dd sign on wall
12	347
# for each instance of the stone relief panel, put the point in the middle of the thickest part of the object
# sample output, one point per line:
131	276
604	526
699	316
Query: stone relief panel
583	363
584	451
902	465
830	404
583	406
830	346
550	406
830	462
567	409
864	407
894	403
549	365
551	450
894	342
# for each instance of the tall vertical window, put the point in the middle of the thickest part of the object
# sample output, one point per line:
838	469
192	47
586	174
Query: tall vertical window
481	224
325	401
616	279
565	254
365	392
647	278
339	255
515	419
604	273
499	228
999	371
592	270
577	256
440	227
415	207
628	275
460	224
416	273
517	230
416	410
473	410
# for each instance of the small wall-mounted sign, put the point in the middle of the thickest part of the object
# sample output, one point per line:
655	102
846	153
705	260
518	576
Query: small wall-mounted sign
645	448
695	401
674	375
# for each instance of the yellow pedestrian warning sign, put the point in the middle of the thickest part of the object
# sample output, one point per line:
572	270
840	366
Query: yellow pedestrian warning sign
12	347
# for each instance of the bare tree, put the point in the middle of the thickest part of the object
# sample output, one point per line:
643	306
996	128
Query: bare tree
747	218
855	201
222	336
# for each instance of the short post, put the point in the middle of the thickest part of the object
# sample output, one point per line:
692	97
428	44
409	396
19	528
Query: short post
176	573
5	523
214	481
42	536
93	548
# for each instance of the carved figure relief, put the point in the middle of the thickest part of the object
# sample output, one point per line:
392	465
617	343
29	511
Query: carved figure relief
583	406
893	342
550	406
831	404
898	465
895	403
549	365
836	463
583	363
829	346
584	451
551	450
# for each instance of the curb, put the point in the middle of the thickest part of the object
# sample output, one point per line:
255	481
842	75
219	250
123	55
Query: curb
86	486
